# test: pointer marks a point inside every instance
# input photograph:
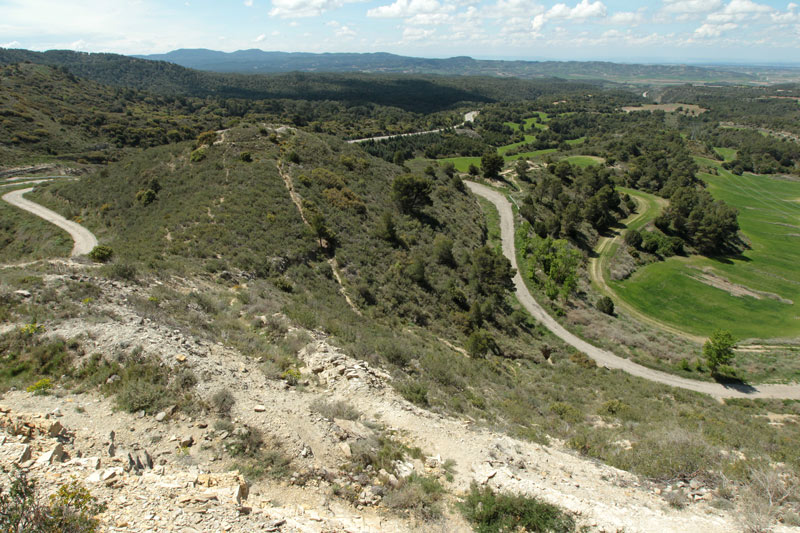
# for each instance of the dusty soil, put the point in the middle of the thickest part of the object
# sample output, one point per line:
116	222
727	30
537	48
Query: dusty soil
709	277
191	488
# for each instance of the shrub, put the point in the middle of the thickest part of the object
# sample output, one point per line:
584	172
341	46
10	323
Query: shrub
198	155
41	387
414	392
479	343
417	494
633	238
605	305
101	254
146	196
247	157
71	509
120	271
718	349
222	401
338	409
491	512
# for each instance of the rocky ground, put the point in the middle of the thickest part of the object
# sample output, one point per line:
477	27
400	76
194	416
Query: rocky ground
171	472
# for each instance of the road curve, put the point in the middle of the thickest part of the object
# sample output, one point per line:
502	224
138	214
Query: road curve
84	239
604	357
597	270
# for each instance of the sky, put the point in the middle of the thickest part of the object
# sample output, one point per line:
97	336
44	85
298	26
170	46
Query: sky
672	31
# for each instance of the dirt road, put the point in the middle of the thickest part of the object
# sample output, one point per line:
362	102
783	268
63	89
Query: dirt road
604	357
84	239
605	249
468	117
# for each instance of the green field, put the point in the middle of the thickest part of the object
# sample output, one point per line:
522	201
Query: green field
543	117
769	216
584	160
727	154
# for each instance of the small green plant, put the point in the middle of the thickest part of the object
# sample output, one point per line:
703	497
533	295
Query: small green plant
291	376
41	387
101	254
718	350
198	155
71	508
29	330
339	409
222	401
491	512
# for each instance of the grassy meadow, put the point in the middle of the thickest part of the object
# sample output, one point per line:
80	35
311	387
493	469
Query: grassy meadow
769	215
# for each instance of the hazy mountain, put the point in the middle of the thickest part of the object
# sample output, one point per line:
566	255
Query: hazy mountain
260	61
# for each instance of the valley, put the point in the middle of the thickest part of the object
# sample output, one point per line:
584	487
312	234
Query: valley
255	308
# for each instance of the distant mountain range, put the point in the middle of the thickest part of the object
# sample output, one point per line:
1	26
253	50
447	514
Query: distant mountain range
259	61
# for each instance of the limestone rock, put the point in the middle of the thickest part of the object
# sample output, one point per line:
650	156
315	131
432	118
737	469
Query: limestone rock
55	455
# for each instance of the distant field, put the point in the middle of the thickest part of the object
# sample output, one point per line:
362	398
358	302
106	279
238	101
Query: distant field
727	154
584	160
668	108
756	295
543	117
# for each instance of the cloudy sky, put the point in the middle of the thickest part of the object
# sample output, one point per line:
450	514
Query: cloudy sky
620	30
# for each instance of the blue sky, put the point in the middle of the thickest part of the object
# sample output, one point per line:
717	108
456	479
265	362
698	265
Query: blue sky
654	31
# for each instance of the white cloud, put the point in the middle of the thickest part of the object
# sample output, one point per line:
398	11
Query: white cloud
303	8
12	44
739	10
511	8
583	11
260	38
344	31
714	30
416	34
627	18
690	6
409	8
80	44
248	3
429	19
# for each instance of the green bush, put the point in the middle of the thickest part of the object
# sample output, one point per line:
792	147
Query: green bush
101	254
605	305
416	494
338	409
71	509
41	387
490	512
414	392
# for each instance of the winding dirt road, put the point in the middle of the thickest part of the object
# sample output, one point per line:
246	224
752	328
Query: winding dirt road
604	357
468	117
598	266
84	239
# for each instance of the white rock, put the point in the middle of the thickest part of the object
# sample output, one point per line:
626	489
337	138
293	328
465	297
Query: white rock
55	455
259	408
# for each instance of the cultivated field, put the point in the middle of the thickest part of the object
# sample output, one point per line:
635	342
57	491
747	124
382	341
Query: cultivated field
755	295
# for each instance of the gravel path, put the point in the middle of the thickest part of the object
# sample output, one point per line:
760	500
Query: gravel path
84	239
604	357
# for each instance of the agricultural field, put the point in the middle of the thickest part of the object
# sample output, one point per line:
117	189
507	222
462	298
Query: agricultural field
754	295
